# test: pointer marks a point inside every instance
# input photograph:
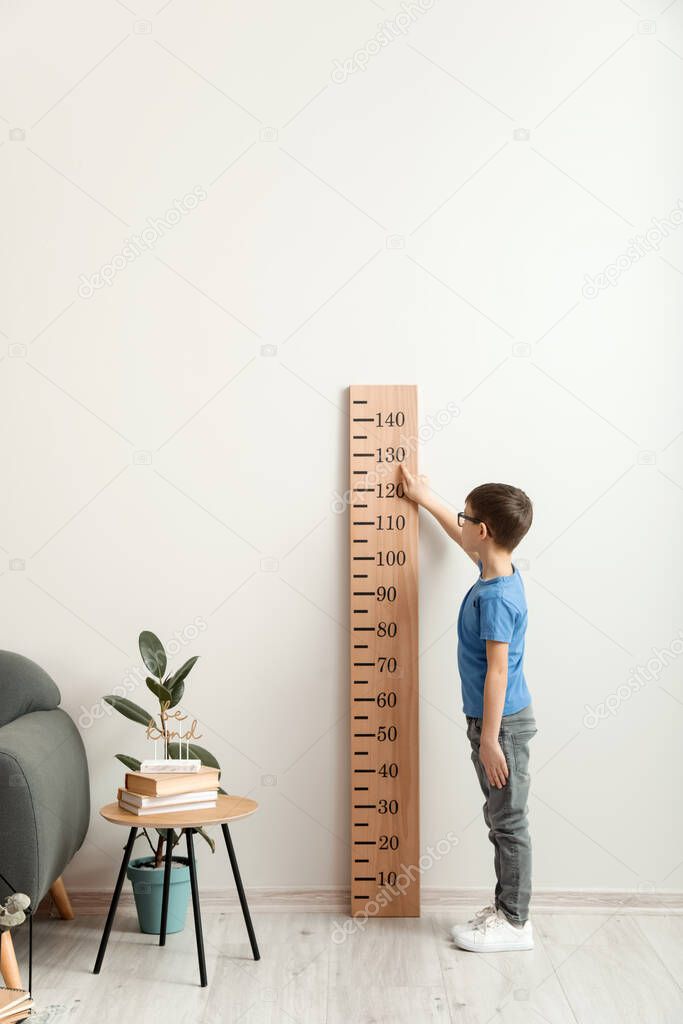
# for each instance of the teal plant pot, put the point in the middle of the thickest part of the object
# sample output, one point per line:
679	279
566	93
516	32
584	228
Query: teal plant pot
148	887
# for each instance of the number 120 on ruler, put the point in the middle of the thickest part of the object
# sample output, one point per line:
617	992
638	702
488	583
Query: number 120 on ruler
383	555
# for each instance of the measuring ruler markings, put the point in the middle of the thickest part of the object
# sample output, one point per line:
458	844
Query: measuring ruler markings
384	653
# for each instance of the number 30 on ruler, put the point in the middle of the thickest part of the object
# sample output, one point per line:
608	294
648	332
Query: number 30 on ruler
383	556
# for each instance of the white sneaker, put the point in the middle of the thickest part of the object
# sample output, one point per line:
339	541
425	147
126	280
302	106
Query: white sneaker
495	934
479	916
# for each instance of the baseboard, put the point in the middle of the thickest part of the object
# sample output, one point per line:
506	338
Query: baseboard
335	900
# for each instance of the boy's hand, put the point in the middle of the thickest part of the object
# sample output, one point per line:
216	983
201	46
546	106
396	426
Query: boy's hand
493	759
415	487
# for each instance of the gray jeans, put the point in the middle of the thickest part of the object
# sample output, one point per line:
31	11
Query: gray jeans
505	811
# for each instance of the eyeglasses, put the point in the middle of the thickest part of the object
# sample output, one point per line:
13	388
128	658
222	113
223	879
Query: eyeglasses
462	517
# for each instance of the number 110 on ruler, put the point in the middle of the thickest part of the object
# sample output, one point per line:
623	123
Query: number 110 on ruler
383	556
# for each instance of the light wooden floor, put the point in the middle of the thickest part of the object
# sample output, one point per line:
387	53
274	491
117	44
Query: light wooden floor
593	968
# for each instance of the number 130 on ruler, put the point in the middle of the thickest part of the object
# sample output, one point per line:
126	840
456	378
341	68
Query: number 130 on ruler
383	559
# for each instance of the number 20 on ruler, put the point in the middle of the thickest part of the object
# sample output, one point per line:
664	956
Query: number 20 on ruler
383	557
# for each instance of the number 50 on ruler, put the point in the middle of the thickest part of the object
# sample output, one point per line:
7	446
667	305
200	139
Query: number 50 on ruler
383	557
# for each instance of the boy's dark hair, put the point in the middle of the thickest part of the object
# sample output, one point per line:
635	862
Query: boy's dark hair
505	509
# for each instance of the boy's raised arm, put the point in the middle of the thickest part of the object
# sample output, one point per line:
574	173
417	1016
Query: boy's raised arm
417	489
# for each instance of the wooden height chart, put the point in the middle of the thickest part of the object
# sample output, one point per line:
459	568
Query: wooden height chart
384	653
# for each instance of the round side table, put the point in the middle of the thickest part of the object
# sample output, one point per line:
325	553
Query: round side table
229	808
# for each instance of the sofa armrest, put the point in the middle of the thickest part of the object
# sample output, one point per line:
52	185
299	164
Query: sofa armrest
44	800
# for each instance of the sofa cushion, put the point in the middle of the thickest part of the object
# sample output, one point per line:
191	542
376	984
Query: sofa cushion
24	687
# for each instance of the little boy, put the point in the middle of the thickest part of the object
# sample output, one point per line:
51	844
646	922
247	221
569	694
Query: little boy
496	701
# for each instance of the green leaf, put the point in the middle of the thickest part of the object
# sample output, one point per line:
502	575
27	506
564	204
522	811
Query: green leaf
207	837
178	691
131	763
166	833
181	673
153	653
160	691
195	750
130	710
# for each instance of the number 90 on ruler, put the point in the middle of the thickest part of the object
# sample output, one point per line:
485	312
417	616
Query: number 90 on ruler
383	573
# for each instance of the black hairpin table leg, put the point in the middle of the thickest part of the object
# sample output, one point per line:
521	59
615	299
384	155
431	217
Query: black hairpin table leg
195	907
115	900
240	891
166	889
30	950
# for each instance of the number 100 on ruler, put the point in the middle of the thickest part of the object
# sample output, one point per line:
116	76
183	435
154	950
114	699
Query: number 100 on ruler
383	556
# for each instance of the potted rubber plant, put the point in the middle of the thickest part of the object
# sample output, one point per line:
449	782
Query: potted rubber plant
147	873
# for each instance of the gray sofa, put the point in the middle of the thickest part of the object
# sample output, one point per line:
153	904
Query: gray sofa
44	787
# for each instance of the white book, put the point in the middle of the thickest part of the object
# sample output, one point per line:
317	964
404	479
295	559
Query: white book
164	801
174	808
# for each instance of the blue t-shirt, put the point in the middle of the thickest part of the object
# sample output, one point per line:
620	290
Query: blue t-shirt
492	610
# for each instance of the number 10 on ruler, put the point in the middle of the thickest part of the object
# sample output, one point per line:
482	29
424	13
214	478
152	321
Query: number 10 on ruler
384	694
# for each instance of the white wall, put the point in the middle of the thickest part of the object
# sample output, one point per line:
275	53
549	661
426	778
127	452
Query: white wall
392	224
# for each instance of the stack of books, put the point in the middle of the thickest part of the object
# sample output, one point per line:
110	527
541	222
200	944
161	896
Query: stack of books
169	792
15	1004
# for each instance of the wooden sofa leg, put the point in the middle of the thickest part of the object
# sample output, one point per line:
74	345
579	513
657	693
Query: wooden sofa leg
9	968
61	899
